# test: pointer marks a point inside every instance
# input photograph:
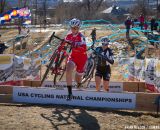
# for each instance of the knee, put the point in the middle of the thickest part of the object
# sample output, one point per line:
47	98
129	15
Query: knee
69	68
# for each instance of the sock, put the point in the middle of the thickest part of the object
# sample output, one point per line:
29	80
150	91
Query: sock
69	89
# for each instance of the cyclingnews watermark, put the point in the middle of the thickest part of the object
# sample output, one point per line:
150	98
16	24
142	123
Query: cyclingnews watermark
142	127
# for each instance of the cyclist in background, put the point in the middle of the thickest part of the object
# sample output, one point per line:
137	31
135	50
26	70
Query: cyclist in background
103	69
93	35
128	24
78	57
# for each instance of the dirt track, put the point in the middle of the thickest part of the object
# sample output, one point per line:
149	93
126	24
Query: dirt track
33	117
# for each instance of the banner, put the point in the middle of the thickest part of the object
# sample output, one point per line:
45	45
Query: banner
35	67
150	74
157	80
15	13
6	67
80	98
22	68
5	17
148	70
18	68
127	67
113	86
24	12
25	68
139	68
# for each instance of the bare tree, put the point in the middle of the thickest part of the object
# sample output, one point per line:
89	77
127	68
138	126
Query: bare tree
88	9
141	7
2	6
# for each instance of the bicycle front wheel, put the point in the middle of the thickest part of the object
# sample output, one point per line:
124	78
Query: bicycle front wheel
49	66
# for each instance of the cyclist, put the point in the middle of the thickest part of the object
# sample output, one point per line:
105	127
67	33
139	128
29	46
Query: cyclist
103	63
78	57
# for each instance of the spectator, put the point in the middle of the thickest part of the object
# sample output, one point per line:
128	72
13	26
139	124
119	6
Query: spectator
156	26
128	24
152	23
141	20
2	46
19	29
145	27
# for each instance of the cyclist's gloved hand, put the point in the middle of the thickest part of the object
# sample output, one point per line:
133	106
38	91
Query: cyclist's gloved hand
75	44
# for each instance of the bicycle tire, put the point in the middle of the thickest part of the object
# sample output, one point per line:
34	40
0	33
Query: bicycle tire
58	77
89	71
49	66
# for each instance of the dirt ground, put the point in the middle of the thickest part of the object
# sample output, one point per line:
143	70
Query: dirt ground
56	117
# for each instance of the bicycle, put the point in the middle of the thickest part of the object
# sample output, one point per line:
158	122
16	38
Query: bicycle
57	64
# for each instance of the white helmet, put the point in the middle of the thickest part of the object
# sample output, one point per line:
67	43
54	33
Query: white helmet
105	41
75	22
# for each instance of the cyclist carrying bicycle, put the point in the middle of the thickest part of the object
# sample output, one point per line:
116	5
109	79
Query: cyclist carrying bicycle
78	57
103	63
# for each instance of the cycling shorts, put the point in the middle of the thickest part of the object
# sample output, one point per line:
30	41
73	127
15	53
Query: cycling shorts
103	72
79	61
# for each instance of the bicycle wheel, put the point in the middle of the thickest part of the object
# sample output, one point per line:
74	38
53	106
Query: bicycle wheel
60	67
89	71
49	66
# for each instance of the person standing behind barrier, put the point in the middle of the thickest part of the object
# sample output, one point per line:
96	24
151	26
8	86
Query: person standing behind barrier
141	20
103	69
93	35
78	57
152	23
128	24
19	29
156	26
2	46
145	27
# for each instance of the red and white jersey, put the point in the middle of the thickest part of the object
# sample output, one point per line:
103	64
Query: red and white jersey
78	39
78	55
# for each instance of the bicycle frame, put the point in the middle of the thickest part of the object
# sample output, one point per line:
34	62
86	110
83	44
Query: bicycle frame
60	52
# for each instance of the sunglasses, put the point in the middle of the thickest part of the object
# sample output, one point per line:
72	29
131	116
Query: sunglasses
105	44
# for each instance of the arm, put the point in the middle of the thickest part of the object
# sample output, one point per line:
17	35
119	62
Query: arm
108	58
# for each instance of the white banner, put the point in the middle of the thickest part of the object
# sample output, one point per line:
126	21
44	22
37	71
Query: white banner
139	66
157	64
18	68
80	98
150	71
113	86
6	67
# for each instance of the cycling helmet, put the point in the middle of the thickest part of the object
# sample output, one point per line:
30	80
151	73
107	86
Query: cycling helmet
105	41
75	22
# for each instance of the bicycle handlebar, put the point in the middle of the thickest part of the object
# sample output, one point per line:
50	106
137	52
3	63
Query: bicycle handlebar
60	38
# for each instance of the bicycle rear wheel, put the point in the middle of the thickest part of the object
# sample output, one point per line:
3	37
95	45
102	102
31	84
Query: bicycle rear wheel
60	68
89	71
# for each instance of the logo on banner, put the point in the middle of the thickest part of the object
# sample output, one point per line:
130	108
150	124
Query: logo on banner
113	86
24	12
